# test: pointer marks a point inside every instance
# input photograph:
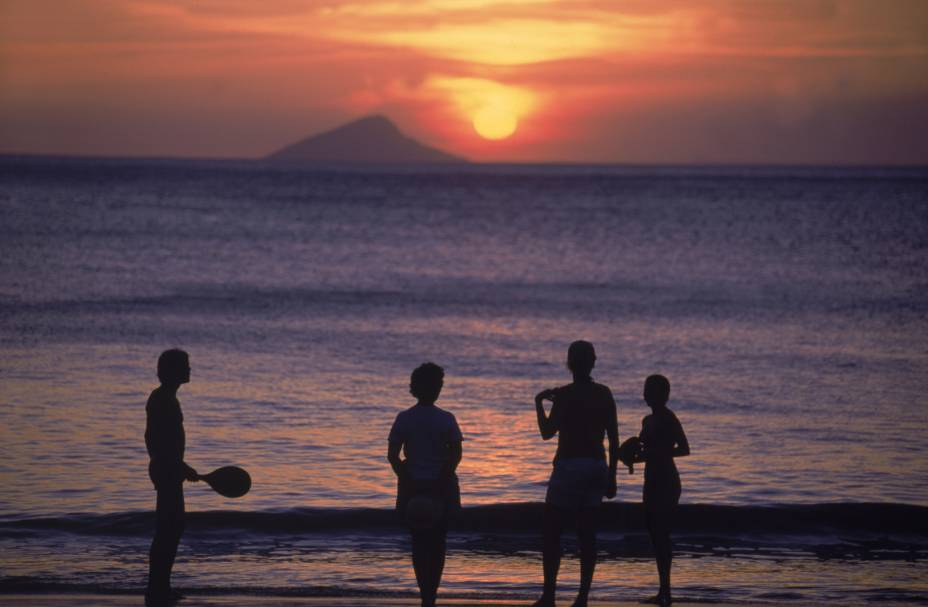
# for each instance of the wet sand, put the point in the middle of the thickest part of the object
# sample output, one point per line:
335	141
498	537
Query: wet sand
130	600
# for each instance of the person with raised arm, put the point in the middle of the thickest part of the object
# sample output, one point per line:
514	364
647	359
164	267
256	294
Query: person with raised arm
582	413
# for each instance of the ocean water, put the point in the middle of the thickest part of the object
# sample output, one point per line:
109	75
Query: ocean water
788	307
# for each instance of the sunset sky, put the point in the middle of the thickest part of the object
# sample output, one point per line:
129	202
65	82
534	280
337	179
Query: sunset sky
651	81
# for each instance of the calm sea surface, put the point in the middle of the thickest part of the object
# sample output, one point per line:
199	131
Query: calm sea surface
788	307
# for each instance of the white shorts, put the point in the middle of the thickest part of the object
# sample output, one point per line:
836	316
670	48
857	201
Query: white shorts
577	482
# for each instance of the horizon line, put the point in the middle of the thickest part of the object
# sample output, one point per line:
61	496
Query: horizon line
463	164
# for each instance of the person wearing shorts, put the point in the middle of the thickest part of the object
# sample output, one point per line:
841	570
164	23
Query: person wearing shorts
582	414
430	440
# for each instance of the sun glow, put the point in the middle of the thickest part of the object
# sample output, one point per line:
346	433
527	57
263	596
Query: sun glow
492	108
507	42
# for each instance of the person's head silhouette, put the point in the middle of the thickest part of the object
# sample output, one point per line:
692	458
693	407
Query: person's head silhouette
174	367
426	382
581	358
656	391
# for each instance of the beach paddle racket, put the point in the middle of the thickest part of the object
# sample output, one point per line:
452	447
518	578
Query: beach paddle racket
230	481
630	450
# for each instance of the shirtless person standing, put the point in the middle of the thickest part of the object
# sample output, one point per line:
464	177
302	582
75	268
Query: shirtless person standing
661	439
582	414
164	438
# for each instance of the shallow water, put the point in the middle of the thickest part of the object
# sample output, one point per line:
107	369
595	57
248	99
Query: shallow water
787	306
723	557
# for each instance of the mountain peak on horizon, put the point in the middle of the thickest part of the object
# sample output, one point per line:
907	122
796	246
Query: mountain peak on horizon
373	139
372	120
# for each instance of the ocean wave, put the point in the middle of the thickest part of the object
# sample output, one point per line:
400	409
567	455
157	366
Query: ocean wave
472	294
784	519
34	585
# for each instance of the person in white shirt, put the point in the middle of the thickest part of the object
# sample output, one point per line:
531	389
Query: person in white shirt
430	440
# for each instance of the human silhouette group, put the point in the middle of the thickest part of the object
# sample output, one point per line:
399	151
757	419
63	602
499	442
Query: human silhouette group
424	450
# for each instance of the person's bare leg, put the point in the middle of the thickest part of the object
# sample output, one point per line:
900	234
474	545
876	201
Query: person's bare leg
664	561
439	548
551	554
586	535
169	527
421	566
660	541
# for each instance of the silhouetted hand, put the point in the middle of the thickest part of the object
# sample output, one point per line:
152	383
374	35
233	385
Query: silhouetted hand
190	474
545	395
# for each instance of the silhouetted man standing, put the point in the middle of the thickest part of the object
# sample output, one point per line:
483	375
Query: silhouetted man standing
582	414
164	439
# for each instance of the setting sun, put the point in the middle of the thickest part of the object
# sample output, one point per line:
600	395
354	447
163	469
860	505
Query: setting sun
494	109
494	122
604	81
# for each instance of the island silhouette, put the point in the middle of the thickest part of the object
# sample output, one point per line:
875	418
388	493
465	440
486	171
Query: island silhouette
369	140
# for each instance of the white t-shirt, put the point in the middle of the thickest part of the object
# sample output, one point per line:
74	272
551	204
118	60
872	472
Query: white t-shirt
425	432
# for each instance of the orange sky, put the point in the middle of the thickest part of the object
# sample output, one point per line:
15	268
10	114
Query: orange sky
783	81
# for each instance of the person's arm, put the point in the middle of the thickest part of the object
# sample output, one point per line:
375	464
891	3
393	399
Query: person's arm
681	446
454	458
393	456
162	437
156	433
547	424
641	455
612	434
164	440
186	471
395	444
455	438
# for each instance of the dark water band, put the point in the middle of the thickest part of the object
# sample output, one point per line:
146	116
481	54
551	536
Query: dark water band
813	519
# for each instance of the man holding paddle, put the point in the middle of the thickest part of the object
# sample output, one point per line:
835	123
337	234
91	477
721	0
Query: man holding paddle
165	440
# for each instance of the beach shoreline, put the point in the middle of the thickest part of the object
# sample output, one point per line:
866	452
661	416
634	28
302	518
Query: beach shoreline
245	600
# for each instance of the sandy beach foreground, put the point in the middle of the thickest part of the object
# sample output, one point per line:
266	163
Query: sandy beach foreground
128	600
